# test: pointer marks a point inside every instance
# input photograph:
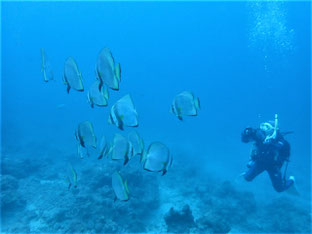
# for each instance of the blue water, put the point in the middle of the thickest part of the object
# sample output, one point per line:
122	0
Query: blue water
246	61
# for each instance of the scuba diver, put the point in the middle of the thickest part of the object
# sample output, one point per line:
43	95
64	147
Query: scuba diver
270	151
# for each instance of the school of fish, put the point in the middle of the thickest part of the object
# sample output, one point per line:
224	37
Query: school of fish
156	157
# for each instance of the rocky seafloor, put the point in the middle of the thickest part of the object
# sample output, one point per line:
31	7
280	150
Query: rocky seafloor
35	199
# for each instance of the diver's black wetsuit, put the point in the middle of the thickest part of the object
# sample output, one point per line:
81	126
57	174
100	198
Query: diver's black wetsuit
268	157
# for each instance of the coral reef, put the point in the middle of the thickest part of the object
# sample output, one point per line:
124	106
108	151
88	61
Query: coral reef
284	215
213	224
11	199
41	201
180	221
234	205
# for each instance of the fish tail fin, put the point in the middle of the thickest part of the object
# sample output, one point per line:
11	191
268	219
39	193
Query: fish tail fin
118	71
116	84
44	74
126	187
171	161
197	103
143	156
74	176
110	149
68	88
88	98
106	93
90	102
142	144
110	119
69	183
79	151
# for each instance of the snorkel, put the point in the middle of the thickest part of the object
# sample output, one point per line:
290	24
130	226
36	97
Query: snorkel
275	128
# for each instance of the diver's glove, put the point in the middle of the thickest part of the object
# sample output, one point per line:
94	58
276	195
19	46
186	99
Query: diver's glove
250	163
247	135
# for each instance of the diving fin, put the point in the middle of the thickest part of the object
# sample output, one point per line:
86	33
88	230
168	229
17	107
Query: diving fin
239	176
292	190
286	133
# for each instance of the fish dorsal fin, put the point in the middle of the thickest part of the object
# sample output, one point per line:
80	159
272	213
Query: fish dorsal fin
126	100
188	94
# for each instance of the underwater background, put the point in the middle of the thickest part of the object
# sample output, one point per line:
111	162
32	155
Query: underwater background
246	61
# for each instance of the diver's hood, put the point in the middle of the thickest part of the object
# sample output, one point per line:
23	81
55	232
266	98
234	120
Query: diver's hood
267	127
